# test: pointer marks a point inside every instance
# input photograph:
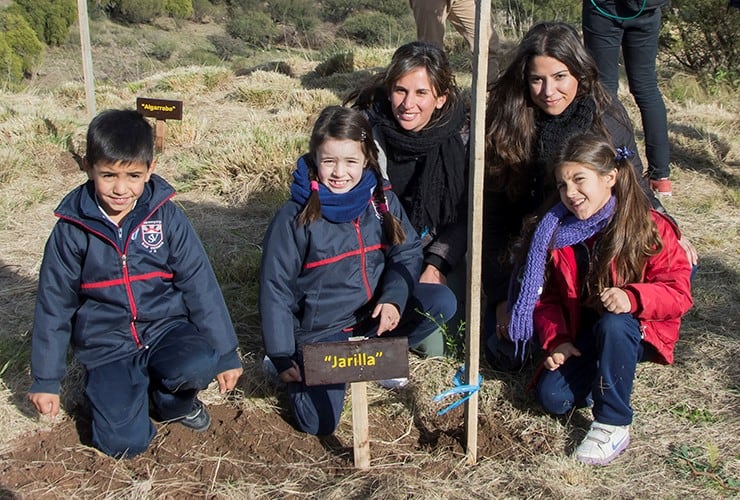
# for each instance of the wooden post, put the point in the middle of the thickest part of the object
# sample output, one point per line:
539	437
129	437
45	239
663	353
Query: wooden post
162	110
475	231
360	425
87	67
356	362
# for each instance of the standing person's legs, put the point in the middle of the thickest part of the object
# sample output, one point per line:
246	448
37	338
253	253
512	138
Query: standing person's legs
602	37
430	17
118	397
462	18
640	50
180	364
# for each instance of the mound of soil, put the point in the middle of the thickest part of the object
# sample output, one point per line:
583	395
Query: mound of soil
255	447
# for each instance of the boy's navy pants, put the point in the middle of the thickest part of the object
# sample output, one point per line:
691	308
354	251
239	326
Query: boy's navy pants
168	374
317	409
605	371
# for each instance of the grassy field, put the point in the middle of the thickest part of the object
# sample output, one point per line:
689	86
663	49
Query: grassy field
230	159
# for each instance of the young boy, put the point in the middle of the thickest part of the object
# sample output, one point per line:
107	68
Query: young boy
125	278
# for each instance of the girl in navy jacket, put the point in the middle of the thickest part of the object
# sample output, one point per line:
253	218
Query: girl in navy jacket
340	259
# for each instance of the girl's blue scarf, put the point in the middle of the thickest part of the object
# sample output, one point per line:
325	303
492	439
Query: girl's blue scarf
335	207
558	229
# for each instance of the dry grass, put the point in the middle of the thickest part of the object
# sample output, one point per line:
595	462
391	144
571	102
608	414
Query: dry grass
231	157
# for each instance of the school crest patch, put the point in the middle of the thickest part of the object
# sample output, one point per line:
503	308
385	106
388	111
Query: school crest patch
152	237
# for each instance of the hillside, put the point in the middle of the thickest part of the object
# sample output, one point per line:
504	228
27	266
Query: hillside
230	159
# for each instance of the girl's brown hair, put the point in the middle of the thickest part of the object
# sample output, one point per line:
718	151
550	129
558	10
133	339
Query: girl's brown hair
632	236
341	123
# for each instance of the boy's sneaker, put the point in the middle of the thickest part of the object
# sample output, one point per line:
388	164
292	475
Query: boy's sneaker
662	187
603	443
393	383
198	419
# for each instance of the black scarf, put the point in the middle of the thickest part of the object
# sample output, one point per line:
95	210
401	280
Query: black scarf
442	180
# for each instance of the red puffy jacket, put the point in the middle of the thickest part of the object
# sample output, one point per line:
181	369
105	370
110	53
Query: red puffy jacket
658	302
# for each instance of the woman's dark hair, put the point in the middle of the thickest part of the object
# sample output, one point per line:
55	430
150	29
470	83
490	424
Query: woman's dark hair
406	58
341	123
510	112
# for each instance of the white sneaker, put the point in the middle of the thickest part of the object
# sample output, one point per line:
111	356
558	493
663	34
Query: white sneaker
603	443
393	383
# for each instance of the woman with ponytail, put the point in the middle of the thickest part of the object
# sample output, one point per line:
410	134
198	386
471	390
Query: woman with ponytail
604	286
420	125
340	259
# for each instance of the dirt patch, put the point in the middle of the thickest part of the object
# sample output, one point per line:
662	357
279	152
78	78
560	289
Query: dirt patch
254	446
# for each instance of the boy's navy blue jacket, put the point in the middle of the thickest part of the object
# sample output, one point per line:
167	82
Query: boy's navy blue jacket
321	278
112	291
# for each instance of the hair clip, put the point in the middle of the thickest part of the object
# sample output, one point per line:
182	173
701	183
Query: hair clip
314	185
624	153
363	135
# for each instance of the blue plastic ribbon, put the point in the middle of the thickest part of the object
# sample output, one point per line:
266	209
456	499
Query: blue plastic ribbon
460	388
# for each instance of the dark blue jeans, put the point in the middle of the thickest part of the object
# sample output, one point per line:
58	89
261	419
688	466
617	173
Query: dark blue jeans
605	371
638	41
169	374
317	409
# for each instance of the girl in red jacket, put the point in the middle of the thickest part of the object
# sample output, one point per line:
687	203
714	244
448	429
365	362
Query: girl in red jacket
616	286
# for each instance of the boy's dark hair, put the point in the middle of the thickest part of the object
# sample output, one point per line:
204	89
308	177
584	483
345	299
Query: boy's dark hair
338	122
119	135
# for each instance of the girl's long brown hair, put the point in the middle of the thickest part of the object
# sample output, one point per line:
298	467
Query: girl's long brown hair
632	236
340	123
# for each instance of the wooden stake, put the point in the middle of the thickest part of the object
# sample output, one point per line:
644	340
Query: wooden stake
160	128
87	67
475	204
360	427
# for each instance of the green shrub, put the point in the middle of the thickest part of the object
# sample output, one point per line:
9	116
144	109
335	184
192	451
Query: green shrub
136	11
703	37
299	13
204	9
226	47
25	47
179	9
50	19
371	28
517	16
162	49
255	29
338	10
10	65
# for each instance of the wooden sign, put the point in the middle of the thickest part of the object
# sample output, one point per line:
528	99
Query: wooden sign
354	361
162	110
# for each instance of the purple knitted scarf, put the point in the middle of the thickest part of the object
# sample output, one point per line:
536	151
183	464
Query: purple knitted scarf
557	229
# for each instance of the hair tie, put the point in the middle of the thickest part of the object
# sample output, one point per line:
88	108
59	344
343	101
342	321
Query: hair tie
363	135
624	153
383	208
314	185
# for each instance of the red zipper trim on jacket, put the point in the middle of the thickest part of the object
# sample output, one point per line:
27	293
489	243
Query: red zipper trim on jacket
363	261
138	277
337	258
126	278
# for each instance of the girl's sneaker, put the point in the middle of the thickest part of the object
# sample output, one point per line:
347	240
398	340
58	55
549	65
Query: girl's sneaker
603	443
662	187
393	383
